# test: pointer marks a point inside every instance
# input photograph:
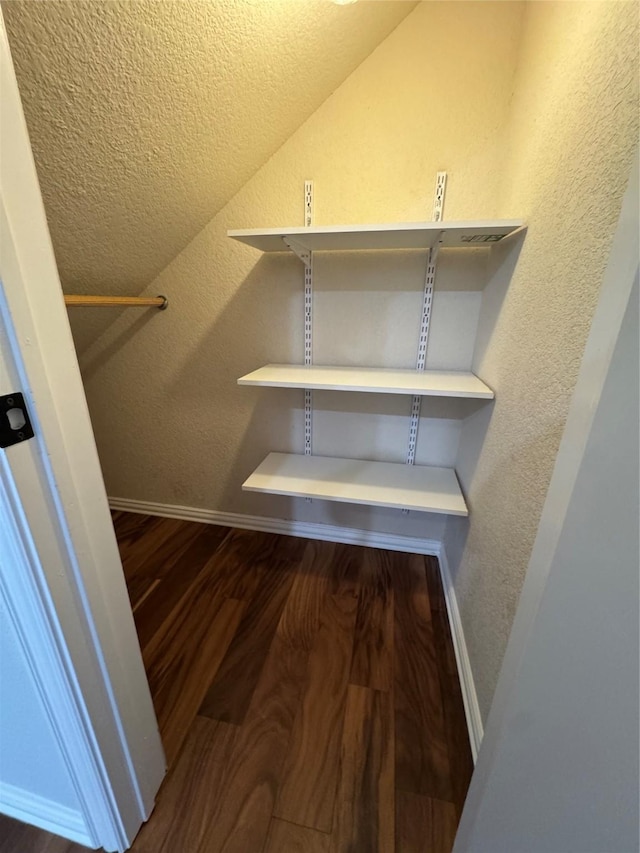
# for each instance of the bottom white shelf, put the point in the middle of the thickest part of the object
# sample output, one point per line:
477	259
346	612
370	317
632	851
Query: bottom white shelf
359	481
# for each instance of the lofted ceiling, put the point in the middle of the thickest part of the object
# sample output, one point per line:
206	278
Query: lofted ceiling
147	116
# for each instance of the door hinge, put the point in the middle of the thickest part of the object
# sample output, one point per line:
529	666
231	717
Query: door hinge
15	424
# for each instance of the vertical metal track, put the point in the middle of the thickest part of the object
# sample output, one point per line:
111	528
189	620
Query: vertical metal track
308	204
306	256
425	321
308	320
438	201
308	350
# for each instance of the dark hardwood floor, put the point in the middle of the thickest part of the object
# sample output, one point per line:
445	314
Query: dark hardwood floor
306	693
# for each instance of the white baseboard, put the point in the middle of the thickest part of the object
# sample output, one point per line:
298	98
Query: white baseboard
465	673
304	529
45	814
350	536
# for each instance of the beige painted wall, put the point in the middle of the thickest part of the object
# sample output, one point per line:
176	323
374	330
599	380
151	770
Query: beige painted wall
572	133
171	423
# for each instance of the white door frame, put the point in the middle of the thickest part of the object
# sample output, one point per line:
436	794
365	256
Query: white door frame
67	597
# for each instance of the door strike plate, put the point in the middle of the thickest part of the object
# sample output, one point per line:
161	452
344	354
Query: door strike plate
15	425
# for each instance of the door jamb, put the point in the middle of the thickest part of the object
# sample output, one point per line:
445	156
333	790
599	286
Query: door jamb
62	538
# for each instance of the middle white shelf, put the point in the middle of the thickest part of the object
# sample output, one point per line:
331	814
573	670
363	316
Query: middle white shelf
381	380
388	484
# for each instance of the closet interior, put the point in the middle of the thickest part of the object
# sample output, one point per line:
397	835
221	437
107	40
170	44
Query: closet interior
325	445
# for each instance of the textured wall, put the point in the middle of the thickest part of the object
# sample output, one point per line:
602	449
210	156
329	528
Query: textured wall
146	117
572	133
170	421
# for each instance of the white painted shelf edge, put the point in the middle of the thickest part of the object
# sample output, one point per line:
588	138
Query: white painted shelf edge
389	484
402	235
428	383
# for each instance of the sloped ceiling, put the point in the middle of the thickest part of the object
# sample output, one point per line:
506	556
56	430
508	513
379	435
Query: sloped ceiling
147	116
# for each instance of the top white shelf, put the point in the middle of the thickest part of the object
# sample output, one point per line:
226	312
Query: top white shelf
404	235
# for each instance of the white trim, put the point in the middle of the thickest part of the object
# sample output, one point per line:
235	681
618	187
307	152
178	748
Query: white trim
38	633
45	814
465	673
303	529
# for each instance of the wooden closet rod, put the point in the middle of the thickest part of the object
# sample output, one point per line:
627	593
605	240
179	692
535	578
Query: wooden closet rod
160	302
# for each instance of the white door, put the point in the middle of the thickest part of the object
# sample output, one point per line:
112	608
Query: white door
61	575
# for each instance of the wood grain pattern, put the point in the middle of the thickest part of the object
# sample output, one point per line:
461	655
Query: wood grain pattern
182	808
154	583
434	585
139	587
153	610
230	693
287	837
344	570
311	772
129	527
241	813
130	530
166	554
365	812
301	617
145	552
182	660
422	760
126	525
424	824
275	628
372	664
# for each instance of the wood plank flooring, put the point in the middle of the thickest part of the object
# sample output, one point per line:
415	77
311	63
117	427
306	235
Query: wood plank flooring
306	693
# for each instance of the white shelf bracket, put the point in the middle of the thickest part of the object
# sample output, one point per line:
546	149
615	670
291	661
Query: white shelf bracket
425	320
299	249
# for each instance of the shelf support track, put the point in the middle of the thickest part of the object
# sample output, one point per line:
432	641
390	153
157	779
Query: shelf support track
425	320
306	256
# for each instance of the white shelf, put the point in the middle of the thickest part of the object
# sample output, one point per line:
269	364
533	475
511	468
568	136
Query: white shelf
356	481
429	383
404	235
